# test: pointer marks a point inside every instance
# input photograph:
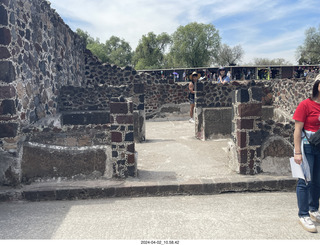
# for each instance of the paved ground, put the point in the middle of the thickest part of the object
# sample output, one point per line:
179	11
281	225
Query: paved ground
171	152
227	216
171	161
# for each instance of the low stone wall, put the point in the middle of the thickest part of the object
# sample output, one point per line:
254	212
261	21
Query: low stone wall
289	93
212	94
216	122
161	96
65	152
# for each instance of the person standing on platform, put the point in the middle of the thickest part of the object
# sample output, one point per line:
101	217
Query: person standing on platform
192	85
222	76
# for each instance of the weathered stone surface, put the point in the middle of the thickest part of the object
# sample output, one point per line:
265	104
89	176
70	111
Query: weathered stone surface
86	118
7	107
7	92
242	139
217	122
116	136
48	162
242	95
255	138
8	130
4	53
7	175
7	72
5	36
5	2
119	108
247	110
245	124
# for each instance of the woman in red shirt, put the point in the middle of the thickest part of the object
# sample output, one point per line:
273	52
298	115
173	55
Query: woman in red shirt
307	117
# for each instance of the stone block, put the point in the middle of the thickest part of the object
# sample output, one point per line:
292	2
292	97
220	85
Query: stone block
245	124
3	16
217	122
114	154
256	93
242	156
7	92
267	112
129	137
255	138
46	162
131	159
7	107
8	130
85	117
140	107
242	95
250	110
5	36
141	98
116	137
131	148
130	106
128	119
4	52
7	72
242	139
243	169
119	108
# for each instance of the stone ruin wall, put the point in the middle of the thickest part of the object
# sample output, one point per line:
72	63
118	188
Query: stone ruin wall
45	70
38	55
40	58
263	136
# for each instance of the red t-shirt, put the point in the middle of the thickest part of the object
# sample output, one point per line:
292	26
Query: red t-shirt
308	112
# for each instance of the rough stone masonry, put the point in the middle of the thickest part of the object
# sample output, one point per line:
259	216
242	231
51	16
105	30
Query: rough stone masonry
56	98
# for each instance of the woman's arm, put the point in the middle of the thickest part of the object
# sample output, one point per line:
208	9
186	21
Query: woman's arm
298	126
191	88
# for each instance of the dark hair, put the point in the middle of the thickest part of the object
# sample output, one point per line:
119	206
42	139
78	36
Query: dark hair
315	89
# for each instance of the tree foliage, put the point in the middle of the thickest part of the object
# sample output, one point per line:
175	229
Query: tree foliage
195	45
309	52
119	51
149	53
228	56
85	36
115	50
266	61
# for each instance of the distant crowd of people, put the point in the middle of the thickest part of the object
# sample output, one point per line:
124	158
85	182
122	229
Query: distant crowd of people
212	75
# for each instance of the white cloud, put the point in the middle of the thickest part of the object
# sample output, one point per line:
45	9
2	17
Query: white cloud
239	22
126	19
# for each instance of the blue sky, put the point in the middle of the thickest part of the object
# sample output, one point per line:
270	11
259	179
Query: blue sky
264	28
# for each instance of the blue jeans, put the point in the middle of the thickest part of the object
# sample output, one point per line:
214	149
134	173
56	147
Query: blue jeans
308	194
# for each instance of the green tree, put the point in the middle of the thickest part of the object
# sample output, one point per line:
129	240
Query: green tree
85	36
98	49
118	51
228	56
309	52
115	50
195	45
149	53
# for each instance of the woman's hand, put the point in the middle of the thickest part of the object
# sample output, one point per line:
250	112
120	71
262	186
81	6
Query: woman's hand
298	159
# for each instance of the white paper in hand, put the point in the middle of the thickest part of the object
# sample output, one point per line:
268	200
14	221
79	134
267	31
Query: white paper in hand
296	169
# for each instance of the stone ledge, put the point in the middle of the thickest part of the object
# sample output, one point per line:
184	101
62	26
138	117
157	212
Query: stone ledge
111	188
